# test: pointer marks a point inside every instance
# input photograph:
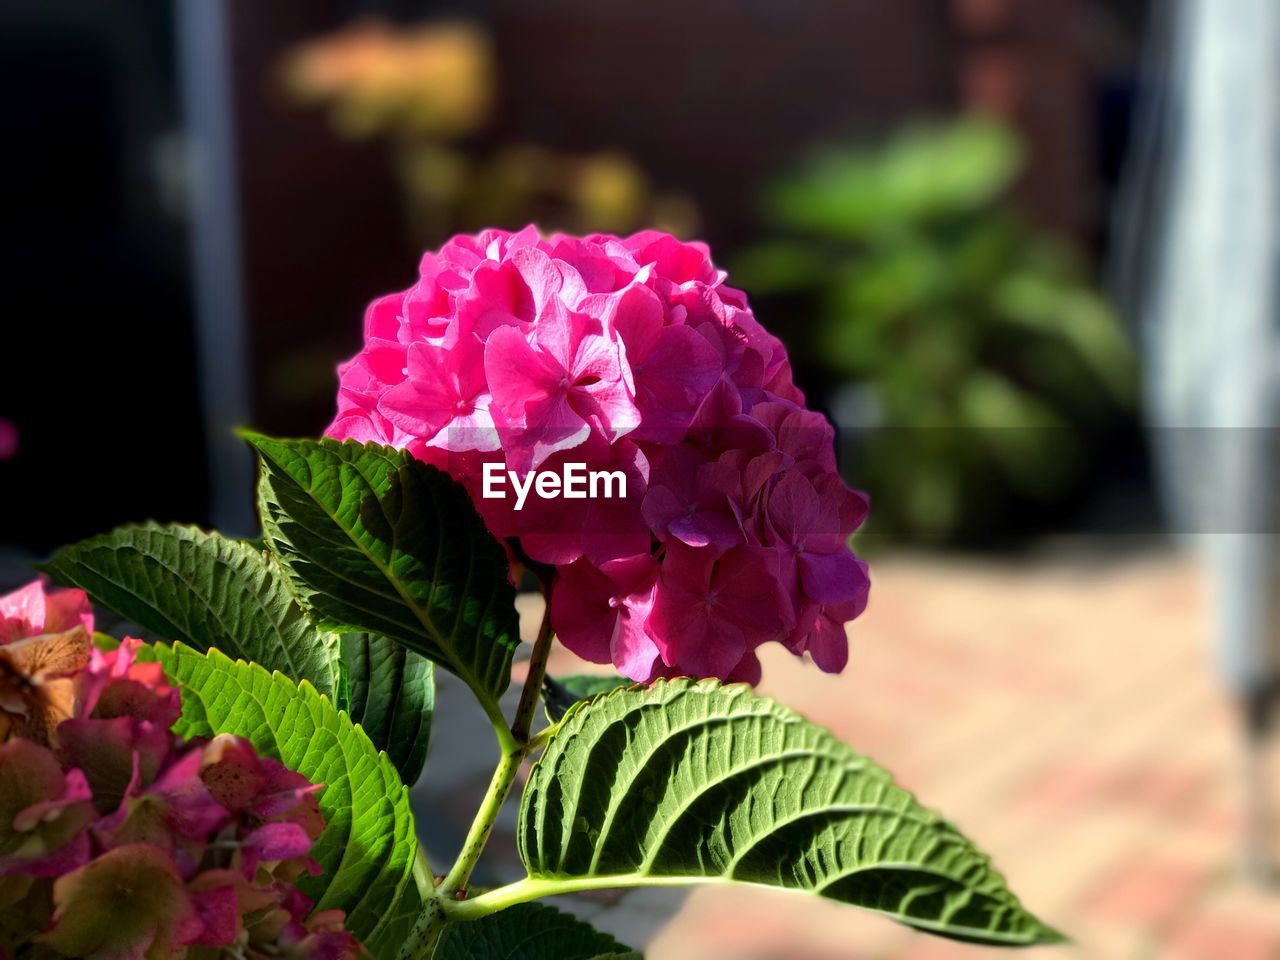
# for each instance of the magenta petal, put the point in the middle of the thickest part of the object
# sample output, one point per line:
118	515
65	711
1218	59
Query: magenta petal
636	314
829	645
410	406
581	612
382	318
833	578
662	506
271	843
634	652
794	510
713	645
747	670
550	425
746	581
193	813
541	275
672	381
516	373
67	609
219	911
693	617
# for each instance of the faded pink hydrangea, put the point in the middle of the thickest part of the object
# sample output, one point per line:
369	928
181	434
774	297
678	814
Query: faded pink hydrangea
118	838
632	355
45	637
33	610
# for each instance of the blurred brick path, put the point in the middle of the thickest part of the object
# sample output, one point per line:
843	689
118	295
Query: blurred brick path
1065	715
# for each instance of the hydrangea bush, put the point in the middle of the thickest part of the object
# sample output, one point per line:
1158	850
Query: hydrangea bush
241	783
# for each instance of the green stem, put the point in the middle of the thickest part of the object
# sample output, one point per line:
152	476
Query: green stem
535	888
423	878
532	691
425	935
422	939
506	742
482	826
516	746
542	737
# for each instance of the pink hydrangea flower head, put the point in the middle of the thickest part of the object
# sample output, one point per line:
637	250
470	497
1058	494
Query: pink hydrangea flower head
628	356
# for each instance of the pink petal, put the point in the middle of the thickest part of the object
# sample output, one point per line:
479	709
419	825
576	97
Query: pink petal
219	911
277	841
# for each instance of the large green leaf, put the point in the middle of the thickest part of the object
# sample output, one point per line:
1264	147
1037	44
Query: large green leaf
209	591
693	781
368	846
391	693
202	589
375	540
529	931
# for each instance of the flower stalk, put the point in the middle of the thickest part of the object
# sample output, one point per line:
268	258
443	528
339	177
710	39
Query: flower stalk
532	691
504	776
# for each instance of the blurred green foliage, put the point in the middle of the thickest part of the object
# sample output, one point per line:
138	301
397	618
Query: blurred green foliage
980	362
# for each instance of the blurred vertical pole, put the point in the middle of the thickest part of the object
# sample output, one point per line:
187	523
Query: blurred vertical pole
204	65
1206	173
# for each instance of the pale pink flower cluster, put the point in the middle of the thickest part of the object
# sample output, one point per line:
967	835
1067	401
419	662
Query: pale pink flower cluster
628	355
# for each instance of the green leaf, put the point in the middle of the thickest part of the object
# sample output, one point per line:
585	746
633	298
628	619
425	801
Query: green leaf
392	695
561	693
375	540
690	781
529	931
209	591
368	846
202	589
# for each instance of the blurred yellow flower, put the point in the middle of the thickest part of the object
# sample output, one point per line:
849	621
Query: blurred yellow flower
434	79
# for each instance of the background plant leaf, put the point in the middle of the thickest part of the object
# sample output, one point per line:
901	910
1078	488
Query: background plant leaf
368	846
561	693
375	540
529	931
391	693
202	589
688	781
